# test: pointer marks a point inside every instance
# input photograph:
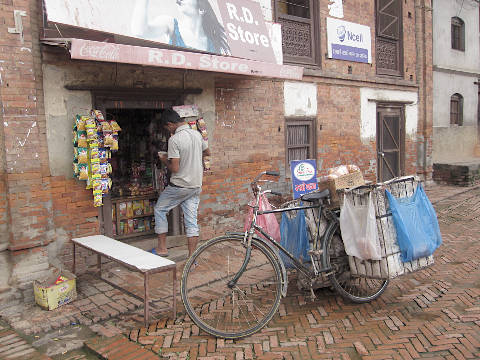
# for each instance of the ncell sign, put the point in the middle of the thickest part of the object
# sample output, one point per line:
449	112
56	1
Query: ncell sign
348	41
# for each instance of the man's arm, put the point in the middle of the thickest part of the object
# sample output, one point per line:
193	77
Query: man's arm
172	164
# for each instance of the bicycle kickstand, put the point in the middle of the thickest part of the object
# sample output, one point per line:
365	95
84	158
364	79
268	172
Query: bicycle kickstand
312	293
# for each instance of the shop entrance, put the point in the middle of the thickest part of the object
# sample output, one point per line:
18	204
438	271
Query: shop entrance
137	176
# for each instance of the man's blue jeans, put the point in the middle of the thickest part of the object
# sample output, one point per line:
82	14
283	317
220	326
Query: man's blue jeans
172	196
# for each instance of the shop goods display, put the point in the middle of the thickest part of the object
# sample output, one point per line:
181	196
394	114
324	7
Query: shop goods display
94	139
133	216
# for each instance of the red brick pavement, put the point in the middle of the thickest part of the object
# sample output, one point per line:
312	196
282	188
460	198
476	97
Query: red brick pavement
431	314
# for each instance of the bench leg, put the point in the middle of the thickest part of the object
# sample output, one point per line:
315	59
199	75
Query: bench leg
174	293
146	314
74	264
99	264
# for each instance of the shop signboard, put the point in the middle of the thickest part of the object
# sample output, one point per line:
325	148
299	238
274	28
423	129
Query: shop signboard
304	177
128	54
348	41
233	27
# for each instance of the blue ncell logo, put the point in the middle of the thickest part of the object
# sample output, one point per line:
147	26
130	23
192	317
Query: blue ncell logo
342	33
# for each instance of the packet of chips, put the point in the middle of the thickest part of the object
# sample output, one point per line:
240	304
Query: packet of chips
193	125
97	114
83	171
114	125
82	155
80	123
97	198
81	139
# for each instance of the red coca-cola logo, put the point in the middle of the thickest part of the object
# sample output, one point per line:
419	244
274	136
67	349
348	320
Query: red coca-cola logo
109	52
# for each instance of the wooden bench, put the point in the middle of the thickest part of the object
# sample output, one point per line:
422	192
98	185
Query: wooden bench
131	257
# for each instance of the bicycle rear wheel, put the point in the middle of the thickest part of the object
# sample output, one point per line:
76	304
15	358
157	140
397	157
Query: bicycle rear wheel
224	311
356	289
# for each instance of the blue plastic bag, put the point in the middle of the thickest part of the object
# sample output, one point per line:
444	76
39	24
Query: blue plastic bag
416	224
294	238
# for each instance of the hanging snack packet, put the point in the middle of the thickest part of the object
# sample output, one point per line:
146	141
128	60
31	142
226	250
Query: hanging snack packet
76	170
97	198
102	155
96	171
83	171
108	140
97	114
106	185
106	127
81	139
114	146
82	155
201	124
81	123
114	125
94	154
204	134
97	185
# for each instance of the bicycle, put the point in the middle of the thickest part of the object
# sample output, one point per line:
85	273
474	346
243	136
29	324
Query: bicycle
232	285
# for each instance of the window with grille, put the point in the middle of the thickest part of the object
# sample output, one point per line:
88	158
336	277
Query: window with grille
388	40
300	139
299	20
458	34
456	110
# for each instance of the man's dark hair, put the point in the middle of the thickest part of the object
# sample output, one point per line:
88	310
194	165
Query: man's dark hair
170	116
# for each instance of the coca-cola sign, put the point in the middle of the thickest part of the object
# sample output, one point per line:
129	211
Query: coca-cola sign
128	54
100	51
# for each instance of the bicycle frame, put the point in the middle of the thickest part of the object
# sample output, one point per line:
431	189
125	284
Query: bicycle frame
248	235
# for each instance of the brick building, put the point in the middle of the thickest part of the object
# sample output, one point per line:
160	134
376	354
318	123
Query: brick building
374	111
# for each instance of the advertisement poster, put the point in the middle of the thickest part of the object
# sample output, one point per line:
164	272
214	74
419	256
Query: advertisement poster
234	27
304	177
348	41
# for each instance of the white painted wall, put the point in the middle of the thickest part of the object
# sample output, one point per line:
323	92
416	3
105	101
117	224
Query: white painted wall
368	117
445	85
300	99
443	54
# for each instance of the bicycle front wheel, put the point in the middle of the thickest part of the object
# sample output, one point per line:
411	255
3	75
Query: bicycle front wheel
353	288
231	312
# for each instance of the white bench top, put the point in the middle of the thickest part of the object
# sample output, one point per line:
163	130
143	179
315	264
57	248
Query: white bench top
128	254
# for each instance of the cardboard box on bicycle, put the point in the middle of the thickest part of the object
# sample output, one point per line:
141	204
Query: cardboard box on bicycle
52	292
349	180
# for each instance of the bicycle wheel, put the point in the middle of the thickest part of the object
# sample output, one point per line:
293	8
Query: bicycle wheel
224	311
356	289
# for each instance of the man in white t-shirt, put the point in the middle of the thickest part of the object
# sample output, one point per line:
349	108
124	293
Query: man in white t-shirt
186	149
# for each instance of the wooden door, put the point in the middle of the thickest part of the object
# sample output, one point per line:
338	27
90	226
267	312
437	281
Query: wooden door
390	142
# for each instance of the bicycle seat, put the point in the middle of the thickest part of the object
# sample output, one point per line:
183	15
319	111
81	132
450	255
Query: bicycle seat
315	195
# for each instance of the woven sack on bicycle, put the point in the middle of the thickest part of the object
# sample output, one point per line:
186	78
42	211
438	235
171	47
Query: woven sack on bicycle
391	264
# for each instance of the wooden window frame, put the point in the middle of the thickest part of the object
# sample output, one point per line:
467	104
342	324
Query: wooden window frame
312	146
458	34
314	23
456	109
395	40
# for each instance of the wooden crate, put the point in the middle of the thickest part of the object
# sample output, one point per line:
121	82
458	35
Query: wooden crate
391	264
350	180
